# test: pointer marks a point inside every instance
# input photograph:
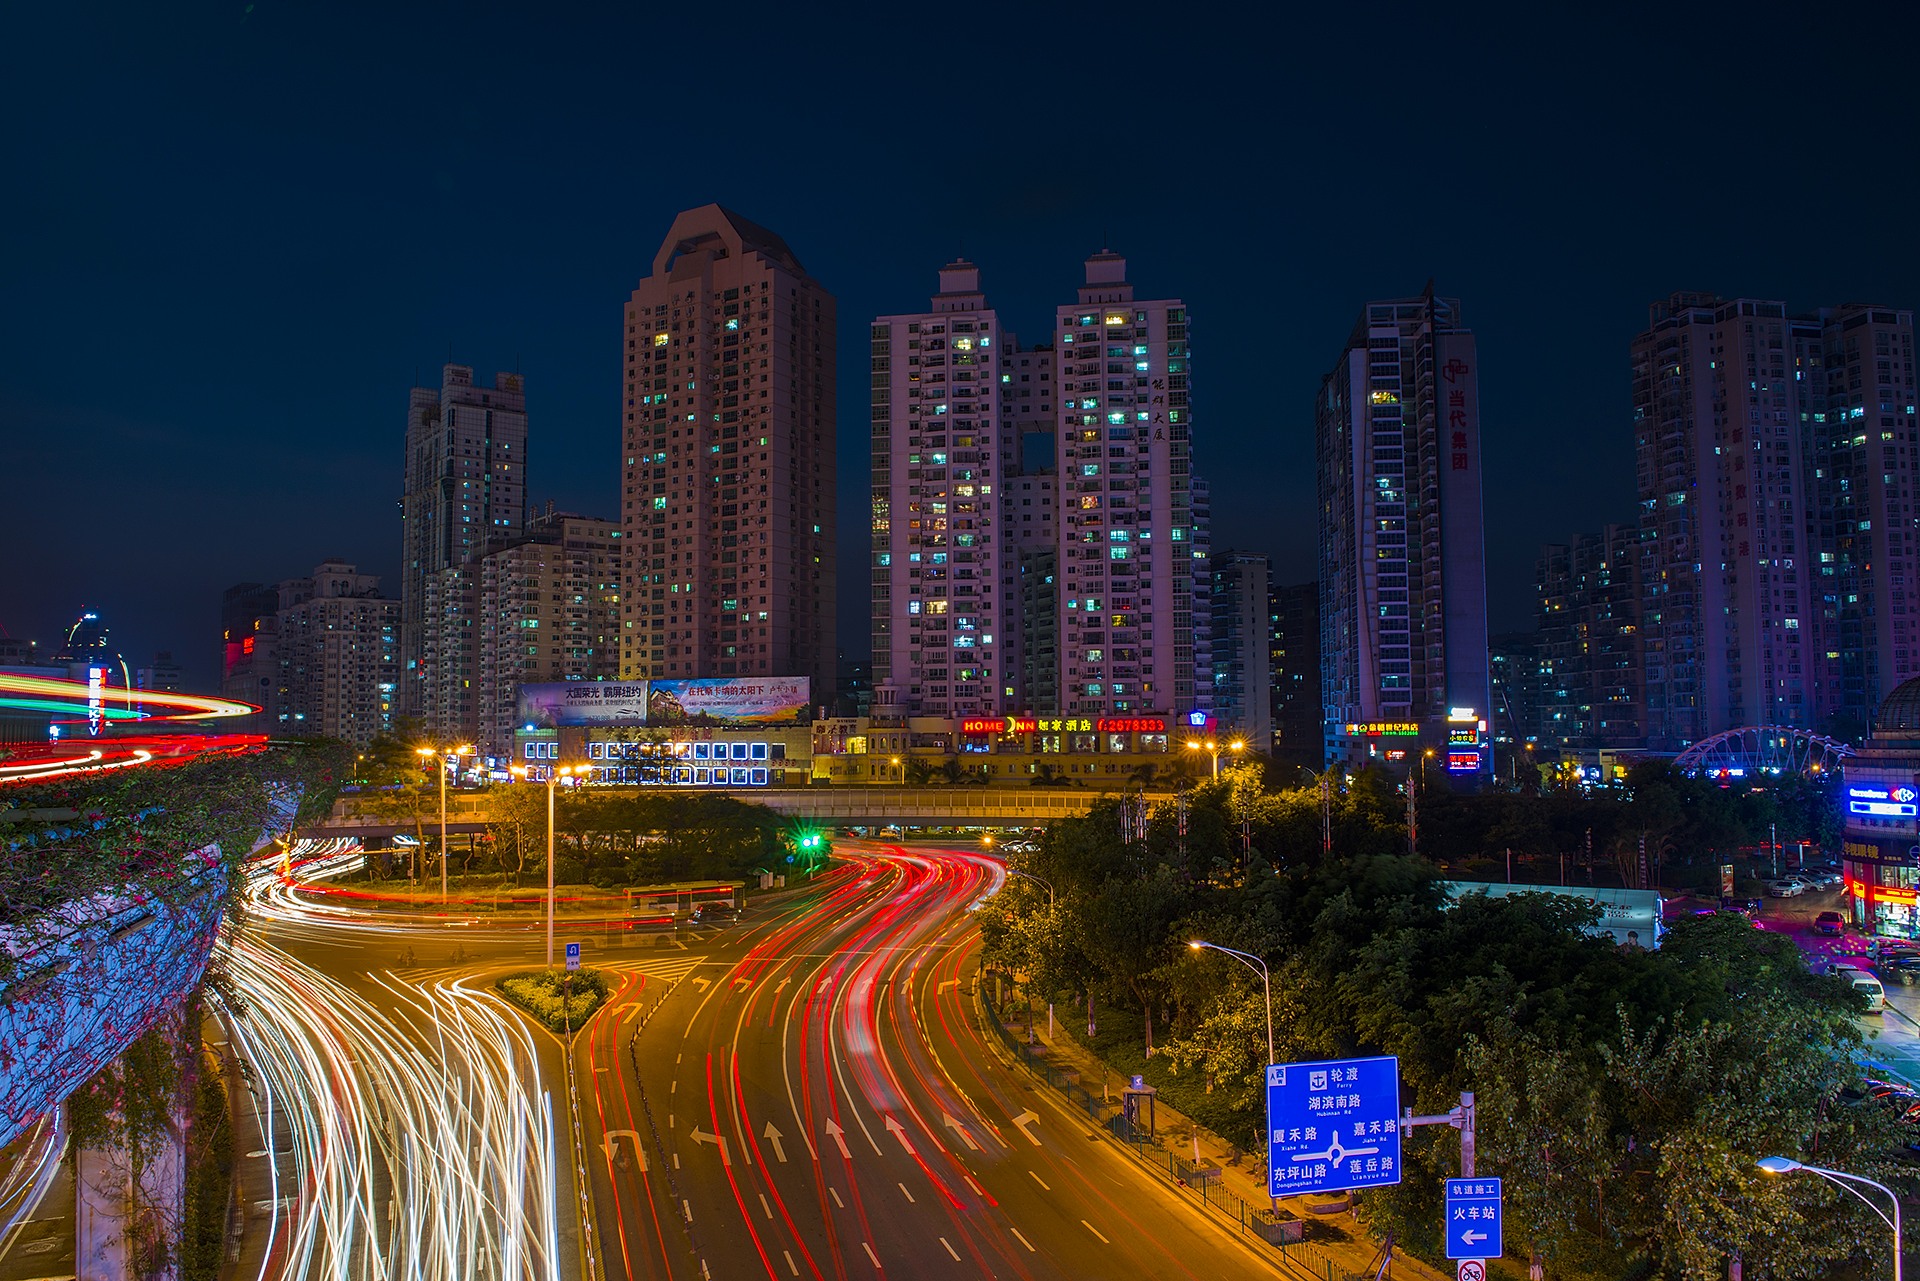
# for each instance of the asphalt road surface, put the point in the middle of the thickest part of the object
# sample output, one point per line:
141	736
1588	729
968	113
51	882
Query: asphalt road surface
814	1099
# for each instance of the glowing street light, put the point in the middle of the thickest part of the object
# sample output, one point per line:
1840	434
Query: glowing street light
465	749
553	779
1787	1165
1213	748
1249	960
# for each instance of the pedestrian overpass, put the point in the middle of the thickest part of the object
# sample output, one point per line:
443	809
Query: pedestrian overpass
828	806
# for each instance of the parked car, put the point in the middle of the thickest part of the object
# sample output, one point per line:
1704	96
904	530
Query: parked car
1903	968
1785	889
1865	984
1829	923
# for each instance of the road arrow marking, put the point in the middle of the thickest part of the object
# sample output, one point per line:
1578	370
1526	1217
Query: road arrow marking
781	986
1025	1119
701	1136
839	1137
899	1131
946	1119
702	984
949	983
774	1136
611	1146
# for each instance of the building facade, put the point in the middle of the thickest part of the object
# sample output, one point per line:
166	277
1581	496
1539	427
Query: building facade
336	642
1403	612
946	546
1240	635
1126	526
465	487
1591	683
1299	731
550	611
727	459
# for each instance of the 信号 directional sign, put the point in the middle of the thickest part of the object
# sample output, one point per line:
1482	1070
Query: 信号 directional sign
573	956
1333	1126
1473	1219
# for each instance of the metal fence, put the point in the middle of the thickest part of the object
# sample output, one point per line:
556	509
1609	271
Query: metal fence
1280	1233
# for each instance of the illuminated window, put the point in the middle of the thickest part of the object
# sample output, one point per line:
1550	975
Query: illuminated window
660	504
1116	318
659	340
1385	398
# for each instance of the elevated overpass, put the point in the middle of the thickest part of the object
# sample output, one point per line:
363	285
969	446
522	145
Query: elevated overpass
828	806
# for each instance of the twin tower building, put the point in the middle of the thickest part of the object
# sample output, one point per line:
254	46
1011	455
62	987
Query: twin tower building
1039	544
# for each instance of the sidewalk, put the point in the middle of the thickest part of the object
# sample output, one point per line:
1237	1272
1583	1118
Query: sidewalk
1330	1230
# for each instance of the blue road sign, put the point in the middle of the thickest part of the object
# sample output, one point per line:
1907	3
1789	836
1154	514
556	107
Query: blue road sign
1473	1219
1333	1126
573	956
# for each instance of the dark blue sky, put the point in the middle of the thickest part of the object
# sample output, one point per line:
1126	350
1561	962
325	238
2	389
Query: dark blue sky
234	234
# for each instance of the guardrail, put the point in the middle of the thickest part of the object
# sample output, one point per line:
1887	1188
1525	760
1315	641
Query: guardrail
1202	1184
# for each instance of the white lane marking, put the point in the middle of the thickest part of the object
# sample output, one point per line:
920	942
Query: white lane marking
686	1208
676	1160
765	1206
870	1253
836	1198
791	1265
909	1195
1022	1240
1096	1232
973	1185
1037	1179
950	1250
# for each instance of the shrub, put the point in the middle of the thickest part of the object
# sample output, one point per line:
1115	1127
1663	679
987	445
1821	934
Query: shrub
540	993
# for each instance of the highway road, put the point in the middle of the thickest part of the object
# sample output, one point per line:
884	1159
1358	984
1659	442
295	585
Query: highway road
813	1098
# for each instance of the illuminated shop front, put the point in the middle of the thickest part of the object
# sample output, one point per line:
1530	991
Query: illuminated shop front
1880	803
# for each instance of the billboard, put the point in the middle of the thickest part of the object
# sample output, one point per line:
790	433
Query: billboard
1626	916
608	704
730	700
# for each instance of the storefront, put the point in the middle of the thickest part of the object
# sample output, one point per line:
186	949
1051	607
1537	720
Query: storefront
1880	794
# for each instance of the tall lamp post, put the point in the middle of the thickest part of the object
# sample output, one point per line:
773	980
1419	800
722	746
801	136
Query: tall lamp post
553	780
465	749
1840	1179
1254	963
1325	783
1213	747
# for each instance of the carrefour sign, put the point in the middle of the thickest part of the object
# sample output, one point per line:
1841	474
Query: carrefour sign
1883	800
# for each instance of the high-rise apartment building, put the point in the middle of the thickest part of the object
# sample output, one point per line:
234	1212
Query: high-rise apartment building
945	537
727	460
1299	735
1201	554
1589	675
466	487
1864	448
1031	504
337	644
1727	609
1126	505
1403	611
1241	634
549	611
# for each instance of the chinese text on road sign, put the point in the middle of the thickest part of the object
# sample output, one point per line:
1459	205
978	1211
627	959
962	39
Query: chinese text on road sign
1473	1219
573	956
1333	1126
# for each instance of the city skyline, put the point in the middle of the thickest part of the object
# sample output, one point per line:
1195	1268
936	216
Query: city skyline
389	292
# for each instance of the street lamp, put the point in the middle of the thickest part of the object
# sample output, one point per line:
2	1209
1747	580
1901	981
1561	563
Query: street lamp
465	749
1213	748
1787	1165
1324	782
553	779
1041	881
1249	960
895	762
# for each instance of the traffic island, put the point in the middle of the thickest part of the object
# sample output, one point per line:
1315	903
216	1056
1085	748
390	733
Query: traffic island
559	1000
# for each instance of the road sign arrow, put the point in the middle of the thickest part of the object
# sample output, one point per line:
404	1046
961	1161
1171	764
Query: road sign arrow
1475	1238
774	1136
899	1131
946	1119
1025	1119
610	1146
839	1137
701	1136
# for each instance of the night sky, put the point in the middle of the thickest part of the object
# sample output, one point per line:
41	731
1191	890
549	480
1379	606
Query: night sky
235	234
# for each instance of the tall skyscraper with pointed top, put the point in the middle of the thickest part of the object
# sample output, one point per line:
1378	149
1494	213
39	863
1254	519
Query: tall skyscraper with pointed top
727	460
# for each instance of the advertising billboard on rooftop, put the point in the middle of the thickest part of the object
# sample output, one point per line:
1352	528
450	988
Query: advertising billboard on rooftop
730	700
607	704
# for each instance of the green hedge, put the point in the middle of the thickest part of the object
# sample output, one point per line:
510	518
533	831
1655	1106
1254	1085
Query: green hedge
539	993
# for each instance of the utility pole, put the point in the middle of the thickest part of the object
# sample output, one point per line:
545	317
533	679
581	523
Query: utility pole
1413	826
1326	814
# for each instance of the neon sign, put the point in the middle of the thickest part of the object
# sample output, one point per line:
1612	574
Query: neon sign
1132	725
1383	729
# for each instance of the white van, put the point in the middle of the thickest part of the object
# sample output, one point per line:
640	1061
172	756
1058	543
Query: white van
1865	984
